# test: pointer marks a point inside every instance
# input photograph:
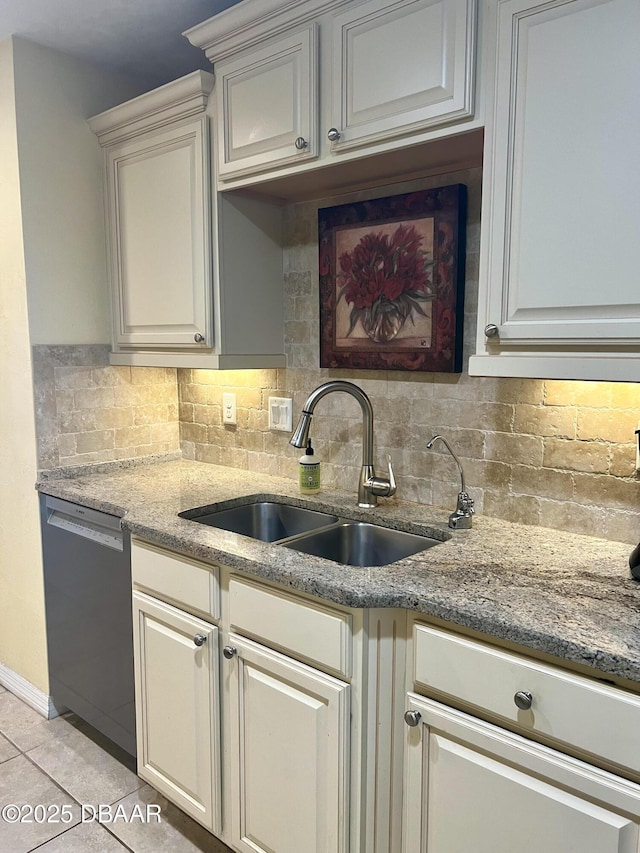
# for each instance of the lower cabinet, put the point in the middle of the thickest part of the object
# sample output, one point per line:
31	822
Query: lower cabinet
262	713
529	776
289	737
276	720
177	707
473	786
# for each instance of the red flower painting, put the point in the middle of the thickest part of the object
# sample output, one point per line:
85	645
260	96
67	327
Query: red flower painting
391	281
385	278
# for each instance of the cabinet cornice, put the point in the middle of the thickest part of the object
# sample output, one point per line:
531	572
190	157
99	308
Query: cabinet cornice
180	99
247	24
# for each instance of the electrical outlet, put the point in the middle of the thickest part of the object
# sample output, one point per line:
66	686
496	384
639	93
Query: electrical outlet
638	448
229	408
281	413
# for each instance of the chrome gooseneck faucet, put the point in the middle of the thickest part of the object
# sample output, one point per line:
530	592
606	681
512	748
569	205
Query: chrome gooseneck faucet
369	486
461	517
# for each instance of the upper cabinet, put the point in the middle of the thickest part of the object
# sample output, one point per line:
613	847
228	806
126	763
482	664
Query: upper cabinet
160	256
267	105
399	68
559	295
335	79
180	277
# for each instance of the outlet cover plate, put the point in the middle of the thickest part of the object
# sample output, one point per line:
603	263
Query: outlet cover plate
229	415
281	413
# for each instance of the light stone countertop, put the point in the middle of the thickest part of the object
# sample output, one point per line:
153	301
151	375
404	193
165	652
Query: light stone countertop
565	595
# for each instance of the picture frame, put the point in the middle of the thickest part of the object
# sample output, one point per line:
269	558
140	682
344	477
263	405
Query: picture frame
391	282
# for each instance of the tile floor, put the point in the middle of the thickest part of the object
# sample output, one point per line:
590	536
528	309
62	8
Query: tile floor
63	762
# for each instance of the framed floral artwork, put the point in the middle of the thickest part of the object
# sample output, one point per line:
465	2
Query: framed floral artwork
392	281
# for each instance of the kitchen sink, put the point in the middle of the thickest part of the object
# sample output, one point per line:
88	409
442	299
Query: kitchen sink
358	543
352	543
268	521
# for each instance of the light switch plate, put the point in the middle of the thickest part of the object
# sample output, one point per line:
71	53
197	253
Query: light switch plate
229	408
281	413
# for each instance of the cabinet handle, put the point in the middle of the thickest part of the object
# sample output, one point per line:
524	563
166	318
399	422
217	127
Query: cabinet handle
492	331
229	652
198	338
333	134
301	143
412	718
199	639
523	699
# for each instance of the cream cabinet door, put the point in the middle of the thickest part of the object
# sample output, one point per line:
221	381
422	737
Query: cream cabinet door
560	217
288	731
267	105
159	237
401	66
177	702
471	786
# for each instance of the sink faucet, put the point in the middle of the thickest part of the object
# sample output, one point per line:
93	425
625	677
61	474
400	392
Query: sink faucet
461	517
369	486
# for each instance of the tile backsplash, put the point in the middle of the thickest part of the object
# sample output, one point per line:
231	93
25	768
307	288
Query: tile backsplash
550	453
88	411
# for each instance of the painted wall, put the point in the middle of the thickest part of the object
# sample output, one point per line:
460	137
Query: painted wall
52	288
61	175
22	637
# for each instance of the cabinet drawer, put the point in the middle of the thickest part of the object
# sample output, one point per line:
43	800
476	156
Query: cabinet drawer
193	585
583	714
313	633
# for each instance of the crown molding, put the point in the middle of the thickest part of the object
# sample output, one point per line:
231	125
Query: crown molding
180	99
252	21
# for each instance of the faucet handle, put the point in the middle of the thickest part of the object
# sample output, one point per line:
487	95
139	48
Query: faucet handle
385	487
465	504
392	480
462	516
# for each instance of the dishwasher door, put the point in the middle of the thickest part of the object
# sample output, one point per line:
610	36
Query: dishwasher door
87	583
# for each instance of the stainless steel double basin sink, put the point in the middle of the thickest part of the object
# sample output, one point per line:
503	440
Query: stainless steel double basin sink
353	543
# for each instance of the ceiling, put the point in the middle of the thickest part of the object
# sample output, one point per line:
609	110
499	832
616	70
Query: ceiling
137	37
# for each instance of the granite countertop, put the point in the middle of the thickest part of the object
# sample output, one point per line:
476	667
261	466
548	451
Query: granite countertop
558	593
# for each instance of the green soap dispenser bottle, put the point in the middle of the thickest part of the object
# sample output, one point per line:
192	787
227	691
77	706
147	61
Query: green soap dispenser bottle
309	472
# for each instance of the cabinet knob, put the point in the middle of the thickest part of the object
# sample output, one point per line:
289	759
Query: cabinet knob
229	652
492	331
198	338
412	718
301	143
199	639
523	699
333	134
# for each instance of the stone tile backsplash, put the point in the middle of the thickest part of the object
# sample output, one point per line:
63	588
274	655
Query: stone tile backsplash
550	453
88	411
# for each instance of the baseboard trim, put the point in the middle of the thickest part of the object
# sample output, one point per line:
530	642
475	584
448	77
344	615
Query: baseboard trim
29	693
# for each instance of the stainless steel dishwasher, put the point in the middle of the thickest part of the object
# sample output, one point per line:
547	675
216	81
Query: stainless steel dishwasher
87	584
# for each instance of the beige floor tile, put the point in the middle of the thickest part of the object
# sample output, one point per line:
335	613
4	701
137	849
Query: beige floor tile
84	838
22	784
7	750
86	767
175	831
25	727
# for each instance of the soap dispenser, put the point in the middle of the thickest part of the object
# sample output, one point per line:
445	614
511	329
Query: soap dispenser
309	472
